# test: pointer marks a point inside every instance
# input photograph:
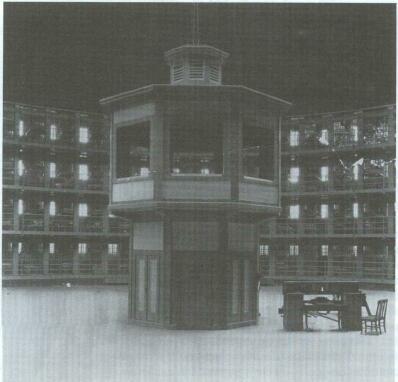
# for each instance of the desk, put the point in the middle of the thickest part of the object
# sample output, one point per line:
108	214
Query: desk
313	308
347	302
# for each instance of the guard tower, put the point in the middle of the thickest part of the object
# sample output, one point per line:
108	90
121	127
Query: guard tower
195	167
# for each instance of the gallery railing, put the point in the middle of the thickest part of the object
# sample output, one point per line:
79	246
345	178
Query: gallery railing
351	268
331	226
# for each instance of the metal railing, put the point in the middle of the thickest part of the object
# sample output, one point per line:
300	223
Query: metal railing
290	266
378	183
31	222
332	226
61	223
91	224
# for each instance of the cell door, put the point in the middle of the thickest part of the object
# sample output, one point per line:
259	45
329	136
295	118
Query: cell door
147	288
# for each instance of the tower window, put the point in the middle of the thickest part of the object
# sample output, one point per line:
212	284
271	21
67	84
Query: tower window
52	208
294	174
51	248
324	173
258	152
324	250
294	211
83	172
196	149
132	151
83	134
53	132
53	170
196	69
20	247
294	138
83	210
21	167
113	249
82	248
294	250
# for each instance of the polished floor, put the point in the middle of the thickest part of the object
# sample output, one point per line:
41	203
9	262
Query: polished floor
80	333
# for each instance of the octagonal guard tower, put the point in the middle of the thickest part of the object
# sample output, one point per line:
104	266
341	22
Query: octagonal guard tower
195	168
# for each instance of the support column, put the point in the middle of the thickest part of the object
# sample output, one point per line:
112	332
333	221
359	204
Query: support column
46	215
76	261
46	259
300	261
359	262
272	262
15	214
104	259
390	218
330	270
15	258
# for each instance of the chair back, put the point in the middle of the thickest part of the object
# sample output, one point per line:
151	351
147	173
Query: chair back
381	309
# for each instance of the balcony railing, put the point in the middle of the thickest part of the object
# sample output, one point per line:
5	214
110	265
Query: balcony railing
383	225
378	183
117	225
8	221
350	268
117	265
91	224
60	264
341	141
31	222
61	223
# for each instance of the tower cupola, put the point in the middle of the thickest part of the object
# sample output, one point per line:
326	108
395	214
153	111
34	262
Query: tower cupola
195	65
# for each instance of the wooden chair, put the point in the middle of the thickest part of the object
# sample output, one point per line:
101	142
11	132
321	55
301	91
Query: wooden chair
374	322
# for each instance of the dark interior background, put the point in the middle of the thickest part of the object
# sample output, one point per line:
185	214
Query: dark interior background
321	57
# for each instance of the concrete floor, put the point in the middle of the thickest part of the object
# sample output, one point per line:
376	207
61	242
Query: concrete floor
81	334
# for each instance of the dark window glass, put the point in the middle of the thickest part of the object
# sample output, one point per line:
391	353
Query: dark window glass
196	151
258	152
132	150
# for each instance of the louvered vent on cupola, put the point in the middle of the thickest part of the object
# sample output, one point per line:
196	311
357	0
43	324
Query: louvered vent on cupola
195	65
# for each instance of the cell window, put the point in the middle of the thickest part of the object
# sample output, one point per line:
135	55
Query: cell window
83	135
294	211
264	250
355	210
113	249
83	172
21	128
82	248
294	175
324	173
51	248
21	167
294	138
52	170
324	211
324	138
83	210
53	132
324	250
293	250
20	207
52	208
